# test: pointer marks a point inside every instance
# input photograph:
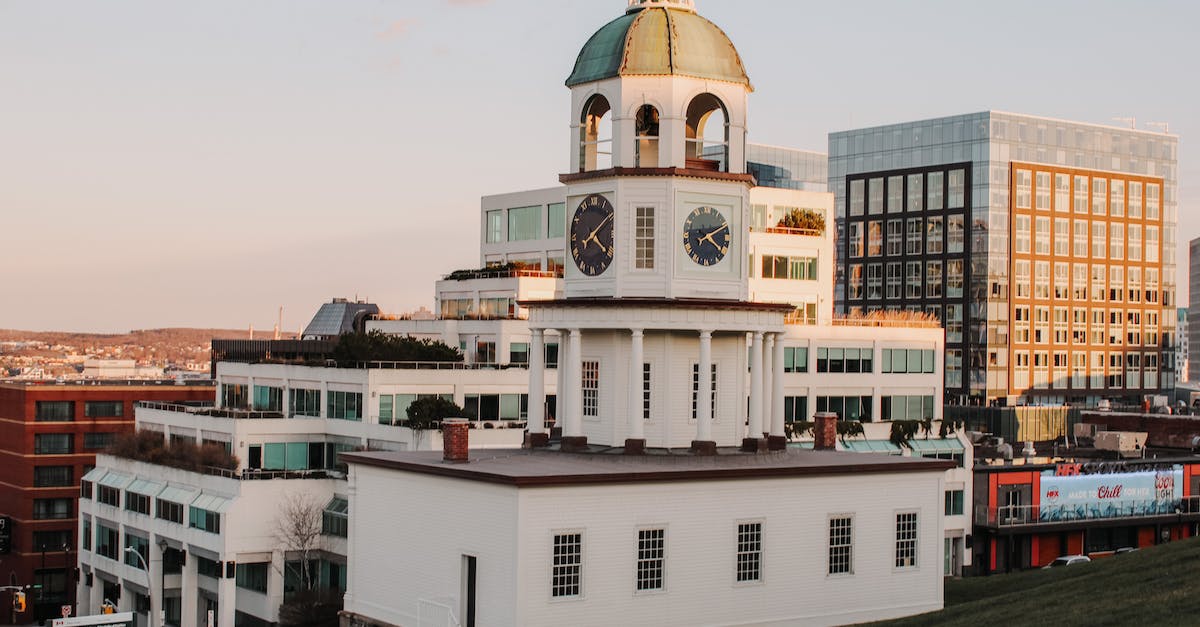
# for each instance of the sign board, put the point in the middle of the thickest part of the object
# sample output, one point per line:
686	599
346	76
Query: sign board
5	535
1110	495
124	619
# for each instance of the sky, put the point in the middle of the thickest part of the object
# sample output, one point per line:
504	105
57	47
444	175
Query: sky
202	164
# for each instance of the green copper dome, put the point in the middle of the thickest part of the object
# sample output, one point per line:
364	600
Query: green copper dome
659	41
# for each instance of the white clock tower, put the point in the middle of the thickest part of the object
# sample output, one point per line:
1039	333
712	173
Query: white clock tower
656	320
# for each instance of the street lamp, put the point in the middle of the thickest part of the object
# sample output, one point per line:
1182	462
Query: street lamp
149	582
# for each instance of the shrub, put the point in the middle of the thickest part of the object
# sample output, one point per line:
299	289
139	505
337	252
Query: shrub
804	219
426	413
379	346
152	448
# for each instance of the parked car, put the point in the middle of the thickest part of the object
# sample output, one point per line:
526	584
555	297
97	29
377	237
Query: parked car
1067	560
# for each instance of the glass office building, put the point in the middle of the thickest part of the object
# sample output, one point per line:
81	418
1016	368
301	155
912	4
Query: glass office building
1053	240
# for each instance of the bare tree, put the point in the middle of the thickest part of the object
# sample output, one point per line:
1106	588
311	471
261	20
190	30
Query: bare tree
298	531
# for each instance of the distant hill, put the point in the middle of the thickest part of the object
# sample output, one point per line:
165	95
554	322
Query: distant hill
1152	586
140	337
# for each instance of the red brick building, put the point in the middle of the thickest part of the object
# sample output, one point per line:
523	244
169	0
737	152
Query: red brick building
49	435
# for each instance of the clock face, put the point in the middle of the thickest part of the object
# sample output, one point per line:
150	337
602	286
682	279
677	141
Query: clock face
592	235
706	236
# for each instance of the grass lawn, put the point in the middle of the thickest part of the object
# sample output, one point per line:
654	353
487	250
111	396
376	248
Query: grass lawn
1153	586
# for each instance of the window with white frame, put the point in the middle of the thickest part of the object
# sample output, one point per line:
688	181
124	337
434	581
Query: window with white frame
894	280
1081	194
749	552
1021	233
906	540
1099	196
566	575
1135	242
1042	191
895	237
1096	329
591	389
1041	243
1099	240
955	234
912	283
1116	205
1079	281
1152	244
1021	277
915	236
1133	285
841	545
934	237
875	281
916	192
696	390
1152	201
1024	182
1135	199
1116	248
1079	245
1116	284
651	559
933	279
1062	284
1041	279
643	239
1099	280
855	281
1062	192
1062	236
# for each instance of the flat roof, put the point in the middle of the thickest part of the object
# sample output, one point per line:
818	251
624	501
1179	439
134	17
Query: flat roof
548	467
51	384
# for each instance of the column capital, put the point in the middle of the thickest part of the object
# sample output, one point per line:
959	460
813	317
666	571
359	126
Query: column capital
637	332
706	334
535	332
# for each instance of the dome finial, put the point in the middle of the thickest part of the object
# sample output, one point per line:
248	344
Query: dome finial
638	5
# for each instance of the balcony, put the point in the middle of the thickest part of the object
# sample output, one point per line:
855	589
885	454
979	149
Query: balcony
890	319
783	230
1029	517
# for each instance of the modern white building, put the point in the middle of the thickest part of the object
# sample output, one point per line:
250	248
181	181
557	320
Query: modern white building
690	328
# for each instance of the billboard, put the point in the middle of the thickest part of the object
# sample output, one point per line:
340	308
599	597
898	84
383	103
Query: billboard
1112	495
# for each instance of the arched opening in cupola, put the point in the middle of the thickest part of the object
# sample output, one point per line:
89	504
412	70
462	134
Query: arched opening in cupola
646	136
595	135
707	138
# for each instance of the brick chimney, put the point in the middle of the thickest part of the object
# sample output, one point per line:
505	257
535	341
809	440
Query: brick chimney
455	440
825	431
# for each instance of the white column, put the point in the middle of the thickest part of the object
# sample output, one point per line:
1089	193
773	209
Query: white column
189	591
768	358
876	396
560	390
637	429
777	388
756	383
537	382
704	389
574	426
286	405
156	581
226	600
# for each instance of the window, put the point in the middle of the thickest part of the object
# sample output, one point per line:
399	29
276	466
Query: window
1116	249
51	540
895	194
935	191
847	407
495	226
643	239
303	402
749	552
135	502
1022	196
555	219
1079	281
253	576
874	281
1062	283
1152	244
912	283
795	408
841	545
1021	233
795	268
1042	189
566	574
235	395
1081	194
915	193
108	541
385	409
485	352
1152	201
1135	242
591	389
954	278
345	405
907	407
53	476
895	237
955	234
51	509
1116	206
1062	192
651	559
934	236
53	444
204	520
856	198
518	353
267	398
916	235
856	239
875	196
646	380
1062	236
795	359
93	441
1099	196
956	182
696	390
1042	236
1135	200
54	411
141	546
108	495
906	540
874	238
895	280
954	502
902	360
1021	278
103	409
835	359
855	281
166	510
1080	244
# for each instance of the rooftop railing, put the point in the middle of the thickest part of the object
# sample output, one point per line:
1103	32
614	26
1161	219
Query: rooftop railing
462	275
1024	515
210	410
249	474
783	230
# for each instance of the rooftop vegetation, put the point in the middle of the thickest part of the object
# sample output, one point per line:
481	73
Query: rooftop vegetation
804	219
151	447
379	346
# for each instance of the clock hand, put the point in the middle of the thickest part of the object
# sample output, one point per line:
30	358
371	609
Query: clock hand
709	237
600	226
